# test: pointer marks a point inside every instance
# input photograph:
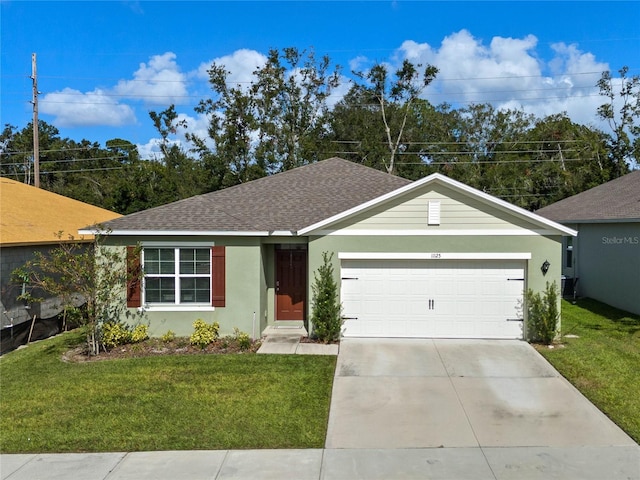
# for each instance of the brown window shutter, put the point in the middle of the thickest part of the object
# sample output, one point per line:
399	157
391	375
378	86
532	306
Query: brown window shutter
133	277
217	276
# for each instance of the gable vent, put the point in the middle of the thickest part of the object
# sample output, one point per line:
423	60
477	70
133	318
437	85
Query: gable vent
433	217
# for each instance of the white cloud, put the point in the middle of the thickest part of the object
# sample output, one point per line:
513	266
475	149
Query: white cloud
197	125
241	64
73	108
157	82
150	150
509	73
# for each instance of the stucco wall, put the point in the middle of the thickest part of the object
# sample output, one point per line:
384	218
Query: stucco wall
246	294
607	264
250	274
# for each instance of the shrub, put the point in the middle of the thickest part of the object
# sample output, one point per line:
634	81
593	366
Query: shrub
204	333
243	339
114	334
118	333
139	334
543	314
327	311
170	336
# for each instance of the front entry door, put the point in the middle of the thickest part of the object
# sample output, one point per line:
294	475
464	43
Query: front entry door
291	284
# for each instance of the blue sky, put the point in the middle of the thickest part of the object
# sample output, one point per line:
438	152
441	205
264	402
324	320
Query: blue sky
103	65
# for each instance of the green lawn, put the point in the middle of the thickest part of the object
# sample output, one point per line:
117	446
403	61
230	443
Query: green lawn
604	362
236	401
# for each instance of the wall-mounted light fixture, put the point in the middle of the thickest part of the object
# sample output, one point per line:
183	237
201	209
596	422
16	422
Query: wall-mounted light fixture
545	267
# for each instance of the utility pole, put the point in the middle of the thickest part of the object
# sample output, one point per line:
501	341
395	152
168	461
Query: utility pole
36	140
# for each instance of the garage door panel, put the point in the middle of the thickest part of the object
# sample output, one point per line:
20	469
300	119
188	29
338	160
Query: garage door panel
457	299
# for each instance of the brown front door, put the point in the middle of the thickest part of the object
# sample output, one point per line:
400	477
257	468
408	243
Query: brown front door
291	284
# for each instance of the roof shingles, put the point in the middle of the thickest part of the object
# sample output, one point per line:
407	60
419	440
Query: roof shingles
618	200
288	201
30	215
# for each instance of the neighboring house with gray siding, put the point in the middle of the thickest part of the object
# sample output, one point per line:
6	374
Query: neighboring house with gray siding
430	258
603	261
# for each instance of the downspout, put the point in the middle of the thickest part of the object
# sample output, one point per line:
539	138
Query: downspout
253	330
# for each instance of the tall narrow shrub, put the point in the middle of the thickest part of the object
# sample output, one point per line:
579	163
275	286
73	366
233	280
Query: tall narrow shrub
543	314
326	317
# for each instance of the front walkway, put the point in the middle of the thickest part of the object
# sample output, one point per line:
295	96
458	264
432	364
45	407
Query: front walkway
284	338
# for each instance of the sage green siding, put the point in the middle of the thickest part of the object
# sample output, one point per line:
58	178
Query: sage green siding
458	212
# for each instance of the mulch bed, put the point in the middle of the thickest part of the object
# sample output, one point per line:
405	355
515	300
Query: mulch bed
157	347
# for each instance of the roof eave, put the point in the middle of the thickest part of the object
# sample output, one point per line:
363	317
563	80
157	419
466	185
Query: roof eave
177	233
600	220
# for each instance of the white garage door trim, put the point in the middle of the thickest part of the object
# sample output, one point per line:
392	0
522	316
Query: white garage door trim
440	298
434	255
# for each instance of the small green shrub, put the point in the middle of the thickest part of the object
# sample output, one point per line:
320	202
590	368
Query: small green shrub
543	314
243	339
170	336
118	333
327	311
204	333
114	334
139	334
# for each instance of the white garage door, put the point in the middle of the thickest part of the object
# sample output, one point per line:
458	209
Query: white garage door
432	298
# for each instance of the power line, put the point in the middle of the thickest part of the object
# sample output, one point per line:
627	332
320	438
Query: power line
479	162
449	79
10	153
70	160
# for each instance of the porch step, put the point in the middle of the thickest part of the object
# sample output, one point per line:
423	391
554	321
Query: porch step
285	329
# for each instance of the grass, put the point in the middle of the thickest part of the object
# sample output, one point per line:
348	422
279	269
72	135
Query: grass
173	402
604	362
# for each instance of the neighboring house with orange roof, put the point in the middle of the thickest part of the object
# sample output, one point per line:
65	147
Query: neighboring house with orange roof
30	219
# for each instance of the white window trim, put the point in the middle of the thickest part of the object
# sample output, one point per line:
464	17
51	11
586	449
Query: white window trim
176	306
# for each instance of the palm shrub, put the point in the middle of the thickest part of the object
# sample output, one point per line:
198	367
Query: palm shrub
543	314
326	317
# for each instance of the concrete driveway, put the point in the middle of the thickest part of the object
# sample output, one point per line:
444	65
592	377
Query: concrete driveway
494	409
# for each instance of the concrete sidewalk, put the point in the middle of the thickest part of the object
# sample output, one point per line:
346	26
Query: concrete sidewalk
543	463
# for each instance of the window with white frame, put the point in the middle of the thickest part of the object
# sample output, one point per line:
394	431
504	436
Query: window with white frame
177	276
569	253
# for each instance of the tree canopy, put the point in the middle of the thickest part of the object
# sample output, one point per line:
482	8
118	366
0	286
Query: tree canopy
288	116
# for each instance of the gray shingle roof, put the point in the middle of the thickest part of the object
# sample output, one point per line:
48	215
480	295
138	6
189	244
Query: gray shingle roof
287	201
618	199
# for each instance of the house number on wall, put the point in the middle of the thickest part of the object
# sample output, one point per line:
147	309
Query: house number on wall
436	255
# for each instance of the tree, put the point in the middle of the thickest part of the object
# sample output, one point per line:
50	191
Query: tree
621	111
90	273
181	175
327	311
291	93
274	123
395	96
232	127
